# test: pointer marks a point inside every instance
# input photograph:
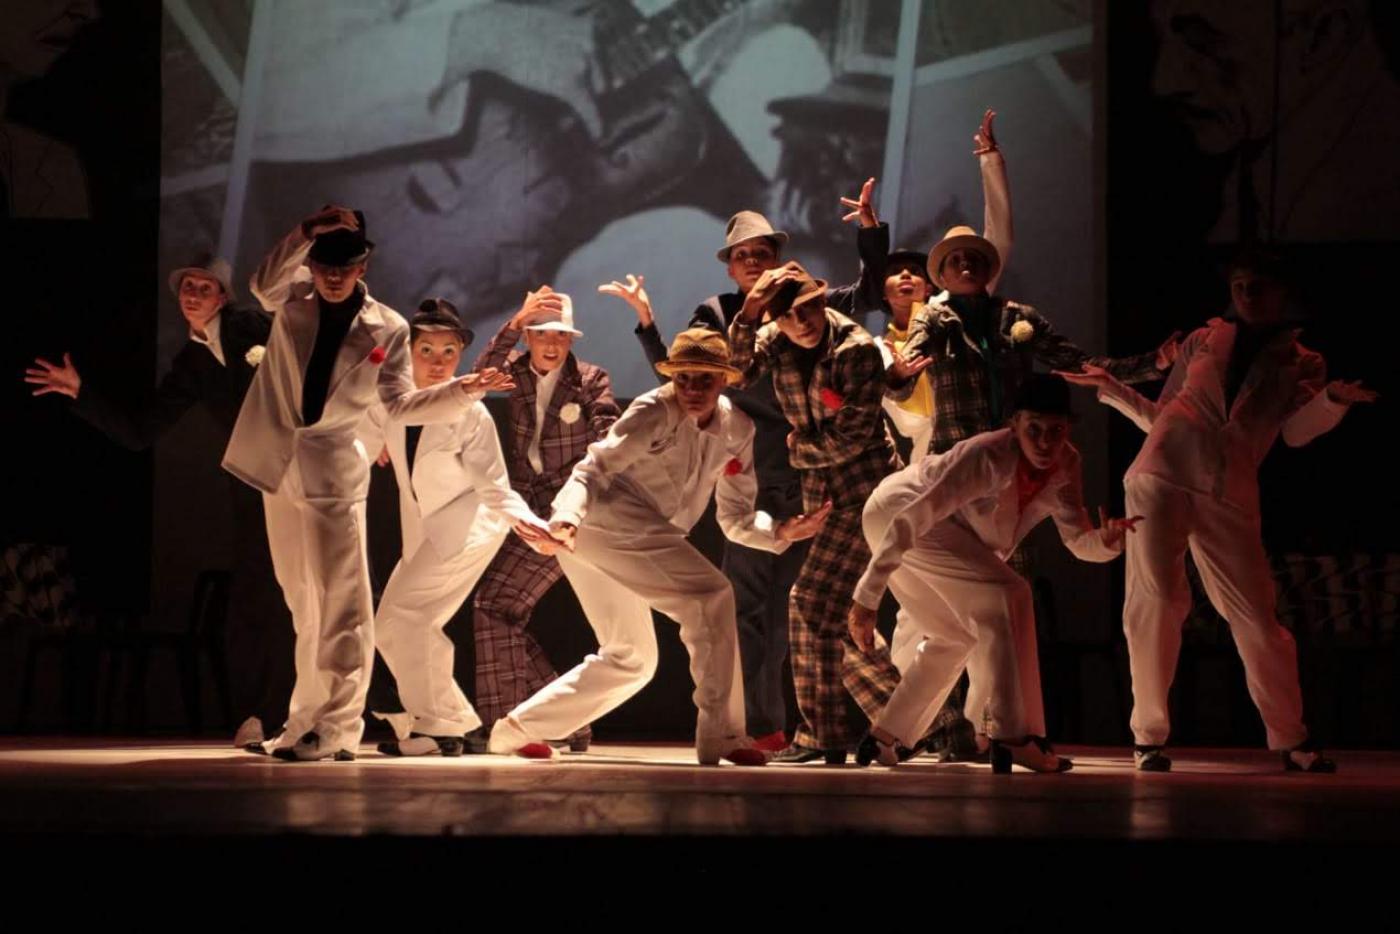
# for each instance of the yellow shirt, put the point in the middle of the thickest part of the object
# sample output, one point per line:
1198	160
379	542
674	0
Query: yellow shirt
920	401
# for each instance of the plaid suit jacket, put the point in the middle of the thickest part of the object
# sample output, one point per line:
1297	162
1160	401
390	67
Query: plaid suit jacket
563	443
840	441
973	387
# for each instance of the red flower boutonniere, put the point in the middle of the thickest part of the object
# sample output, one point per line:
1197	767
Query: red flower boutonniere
377	355
733	467
832	399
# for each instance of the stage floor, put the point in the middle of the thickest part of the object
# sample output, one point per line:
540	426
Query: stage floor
200	789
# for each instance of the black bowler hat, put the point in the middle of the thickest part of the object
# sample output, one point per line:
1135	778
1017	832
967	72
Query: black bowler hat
1043	394
916	258
438	314
342	247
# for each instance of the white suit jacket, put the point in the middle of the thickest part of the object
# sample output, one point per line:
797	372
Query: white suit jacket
1194	443
371	367
656	459
973	485
458	466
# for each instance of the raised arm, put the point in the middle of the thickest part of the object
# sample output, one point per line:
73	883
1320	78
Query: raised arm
996	194
275	277
867	293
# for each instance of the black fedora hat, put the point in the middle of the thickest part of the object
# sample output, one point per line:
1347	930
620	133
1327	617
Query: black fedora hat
438	314
342	247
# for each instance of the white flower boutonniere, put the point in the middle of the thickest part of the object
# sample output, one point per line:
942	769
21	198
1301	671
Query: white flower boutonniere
570	413
255	354
1022	331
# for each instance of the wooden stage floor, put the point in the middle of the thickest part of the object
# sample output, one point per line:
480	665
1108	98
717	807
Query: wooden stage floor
201	816
88	787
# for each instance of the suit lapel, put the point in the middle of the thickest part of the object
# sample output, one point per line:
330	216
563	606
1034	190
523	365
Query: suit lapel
1276	358
362	338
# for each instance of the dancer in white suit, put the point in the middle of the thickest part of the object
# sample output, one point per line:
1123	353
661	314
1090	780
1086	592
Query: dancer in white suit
940	532
456	507
622	518
333	353
1235	386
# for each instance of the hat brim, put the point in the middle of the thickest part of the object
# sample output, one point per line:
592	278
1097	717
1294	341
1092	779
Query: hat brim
916	258
557	326
962	242
466	334
178	276
780	236
817	293
351	261
671	368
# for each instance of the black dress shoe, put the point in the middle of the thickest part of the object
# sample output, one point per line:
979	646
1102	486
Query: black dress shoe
873	750
1153	759
421	744
1310	760
797	755
577	741
477	742
1033	752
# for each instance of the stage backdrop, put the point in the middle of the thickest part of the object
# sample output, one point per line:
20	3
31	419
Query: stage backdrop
496	146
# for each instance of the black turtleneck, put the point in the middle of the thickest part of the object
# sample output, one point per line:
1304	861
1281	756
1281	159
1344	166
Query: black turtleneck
976	314
333	325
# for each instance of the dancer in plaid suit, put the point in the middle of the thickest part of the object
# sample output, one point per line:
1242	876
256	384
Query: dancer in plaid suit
829	378
559	407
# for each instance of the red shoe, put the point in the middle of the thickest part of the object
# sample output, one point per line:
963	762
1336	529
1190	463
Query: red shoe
747	755
535	751
773	742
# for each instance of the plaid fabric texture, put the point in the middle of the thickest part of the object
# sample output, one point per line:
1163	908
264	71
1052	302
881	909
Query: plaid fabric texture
842	450
836	417
972	390
562	444
820	601
510	665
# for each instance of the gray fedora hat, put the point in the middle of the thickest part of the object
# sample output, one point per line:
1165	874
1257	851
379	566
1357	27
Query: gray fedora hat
748	225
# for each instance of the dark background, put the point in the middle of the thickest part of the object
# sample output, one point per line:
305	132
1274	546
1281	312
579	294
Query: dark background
87	287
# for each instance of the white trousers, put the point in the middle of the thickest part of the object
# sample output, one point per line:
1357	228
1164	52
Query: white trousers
1228	549
963	606
619	578
318	555
421	597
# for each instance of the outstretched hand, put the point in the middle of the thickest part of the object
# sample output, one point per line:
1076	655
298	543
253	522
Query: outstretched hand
634	293
1347	392
1090	375
51	377
801	527
862	209
905	368
985	140
487	380
1114	532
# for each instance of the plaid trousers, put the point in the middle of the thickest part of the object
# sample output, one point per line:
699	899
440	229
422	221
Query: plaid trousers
820	601
510	665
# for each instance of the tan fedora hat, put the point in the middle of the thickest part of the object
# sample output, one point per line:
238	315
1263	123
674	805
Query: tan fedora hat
962	238
700	349
748	225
